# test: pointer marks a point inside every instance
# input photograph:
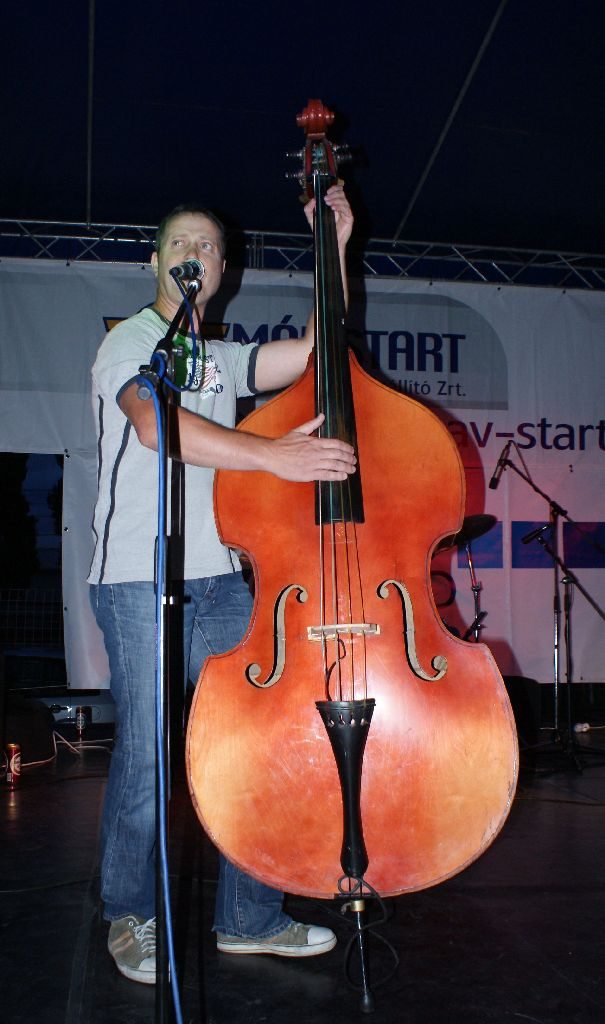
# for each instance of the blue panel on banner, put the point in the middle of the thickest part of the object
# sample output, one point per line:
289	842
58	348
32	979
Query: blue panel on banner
486	551
531	555
578	548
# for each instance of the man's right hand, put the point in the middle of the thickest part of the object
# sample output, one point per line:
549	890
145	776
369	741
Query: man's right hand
300	456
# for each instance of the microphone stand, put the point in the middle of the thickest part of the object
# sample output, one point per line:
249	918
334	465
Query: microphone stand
477	624
156	374
568	740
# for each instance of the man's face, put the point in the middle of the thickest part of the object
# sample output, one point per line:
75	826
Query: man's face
188	236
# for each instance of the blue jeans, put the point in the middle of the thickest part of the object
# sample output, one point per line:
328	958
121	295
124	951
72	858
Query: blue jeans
215	618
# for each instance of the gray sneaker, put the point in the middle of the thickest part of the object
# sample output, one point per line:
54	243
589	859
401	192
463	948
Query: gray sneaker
295	940
132	945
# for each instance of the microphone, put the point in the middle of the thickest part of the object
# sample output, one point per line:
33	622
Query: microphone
190	270
535	534
500	466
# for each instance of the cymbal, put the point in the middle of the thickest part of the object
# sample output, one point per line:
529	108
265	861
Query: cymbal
472	527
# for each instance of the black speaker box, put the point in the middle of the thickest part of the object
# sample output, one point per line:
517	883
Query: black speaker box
525	698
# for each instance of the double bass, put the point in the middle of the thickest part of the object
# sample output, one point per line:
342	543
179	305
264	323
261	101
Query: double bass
350	731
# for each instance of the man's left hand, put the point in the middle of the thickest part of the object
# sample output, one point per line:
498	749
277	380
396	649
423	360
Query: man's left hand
336	199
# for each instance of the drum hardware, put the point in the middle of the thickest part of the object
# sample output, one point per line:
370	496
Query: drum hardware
477	624
472	528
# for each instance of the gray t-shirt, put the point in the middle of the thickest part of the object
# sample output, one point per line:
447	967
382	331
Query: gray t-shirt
125	519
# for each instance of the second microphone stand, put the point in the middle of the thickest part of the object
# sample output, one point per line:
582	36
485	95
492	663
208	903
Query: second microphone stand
565	739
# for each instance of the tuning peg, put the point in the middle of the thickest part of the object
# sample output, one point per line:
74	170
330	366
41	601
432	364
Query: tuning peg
295	175
298	155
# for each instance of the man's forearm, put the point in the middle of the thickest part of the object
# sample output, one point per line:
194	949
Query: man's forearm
197	441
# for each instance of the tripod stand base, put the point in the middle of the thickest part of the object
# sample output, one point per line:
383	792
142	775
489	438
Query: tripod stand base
567	751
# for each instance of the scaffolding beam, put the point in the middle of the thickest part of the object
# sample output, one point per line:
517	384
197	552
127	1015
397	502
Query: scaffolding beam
269	250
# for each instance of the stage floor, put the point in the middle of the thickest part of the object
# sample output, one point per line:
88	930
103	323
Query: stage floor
517	937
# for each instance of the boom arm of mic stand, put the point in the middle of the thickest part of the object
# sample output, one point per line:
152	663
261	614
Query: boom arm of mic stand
572	577
557	510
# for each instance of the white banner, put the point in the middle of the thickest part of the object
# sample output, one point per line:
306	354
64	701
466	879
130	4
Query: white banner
497	363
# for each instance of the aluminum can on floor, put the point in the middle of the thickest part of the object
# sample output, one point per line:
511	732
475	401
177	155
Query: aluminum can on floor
13	764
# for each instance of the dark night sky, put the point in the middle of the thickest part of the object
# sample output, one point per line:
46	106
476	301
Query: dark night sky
199	101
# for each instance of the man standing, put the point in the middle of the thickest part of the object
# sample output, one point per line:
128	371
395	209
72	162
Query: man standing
248	915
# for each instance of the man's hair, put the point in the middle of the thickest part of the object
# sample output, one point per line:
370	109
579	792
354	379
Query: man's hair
190	208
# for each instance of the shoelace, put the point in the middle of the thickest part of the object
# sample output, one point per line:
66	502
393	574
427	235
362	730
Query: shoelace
145	934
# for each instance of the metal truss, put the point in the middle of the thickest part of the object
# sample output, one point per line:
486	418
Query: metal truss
266	250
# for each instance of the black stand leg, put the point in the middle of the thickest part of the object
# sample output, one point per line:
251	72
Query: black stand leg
367	999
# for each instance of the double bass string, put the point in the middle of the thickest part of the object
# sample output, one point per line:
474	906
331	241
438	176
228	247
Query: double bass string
331	351
320	328
325	404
